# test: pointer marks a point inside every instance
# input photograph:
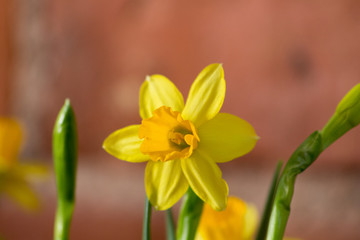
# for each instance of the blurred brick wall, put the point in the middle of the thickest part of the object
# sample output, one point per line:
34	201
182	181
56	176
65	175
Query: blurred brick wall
287	64
6	50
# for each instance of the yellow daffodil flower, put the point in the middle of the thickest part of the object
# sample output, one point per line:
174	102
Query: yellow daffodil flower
183	143
15	177
238	221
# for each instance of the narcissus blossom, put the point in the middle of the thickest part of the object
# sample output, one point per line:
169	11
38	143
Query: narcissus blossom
238	221
182	143
15	176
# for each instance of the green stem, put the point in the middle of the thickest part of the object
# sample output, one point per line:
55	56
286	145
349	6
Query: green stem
63	221
346	116
147	220
267	211
170	229
190	214
301	159
65	162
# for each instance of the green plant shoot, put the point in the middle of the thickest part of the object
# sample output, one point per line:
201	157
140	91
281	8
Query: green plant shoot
190	214
65	162
346	116
263	228
170	225
146	235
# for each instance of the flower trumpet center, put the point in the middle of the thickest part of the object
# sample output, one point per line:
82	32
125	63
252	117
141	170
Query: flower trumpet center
167	136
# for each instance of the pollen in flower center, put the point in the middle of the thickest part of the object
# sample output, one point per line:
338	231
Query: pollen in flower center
167	136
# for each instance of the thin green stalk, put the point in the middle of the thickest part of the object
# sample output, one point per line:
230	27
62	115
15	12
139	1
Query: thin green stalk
63	220
301	159
190	214
147	220
170	229
65	163
269	202
346	116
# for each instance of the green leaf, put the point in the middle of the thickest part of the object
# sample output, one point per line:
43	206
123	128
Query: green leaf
269	202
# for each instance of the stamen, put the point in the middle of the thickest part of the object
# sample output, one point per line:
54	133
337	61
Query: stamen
167	136
176	137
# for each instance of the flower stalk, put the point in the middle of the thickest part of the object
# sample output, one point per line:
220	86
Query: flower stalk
147	220
190	214
301	159
65	162
170	226
346	116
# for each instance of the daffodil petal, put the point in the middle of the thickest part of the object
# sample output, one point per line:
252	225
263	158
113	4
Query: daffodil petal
251	219
20	192
226	224
159	91
125	144
237	221
33	171
226	137
10	140
205	179
206	95
165	183
198	236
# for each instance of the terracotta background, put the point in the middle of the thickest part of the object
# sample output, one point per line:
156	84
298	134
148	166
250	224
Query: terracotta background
287	64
